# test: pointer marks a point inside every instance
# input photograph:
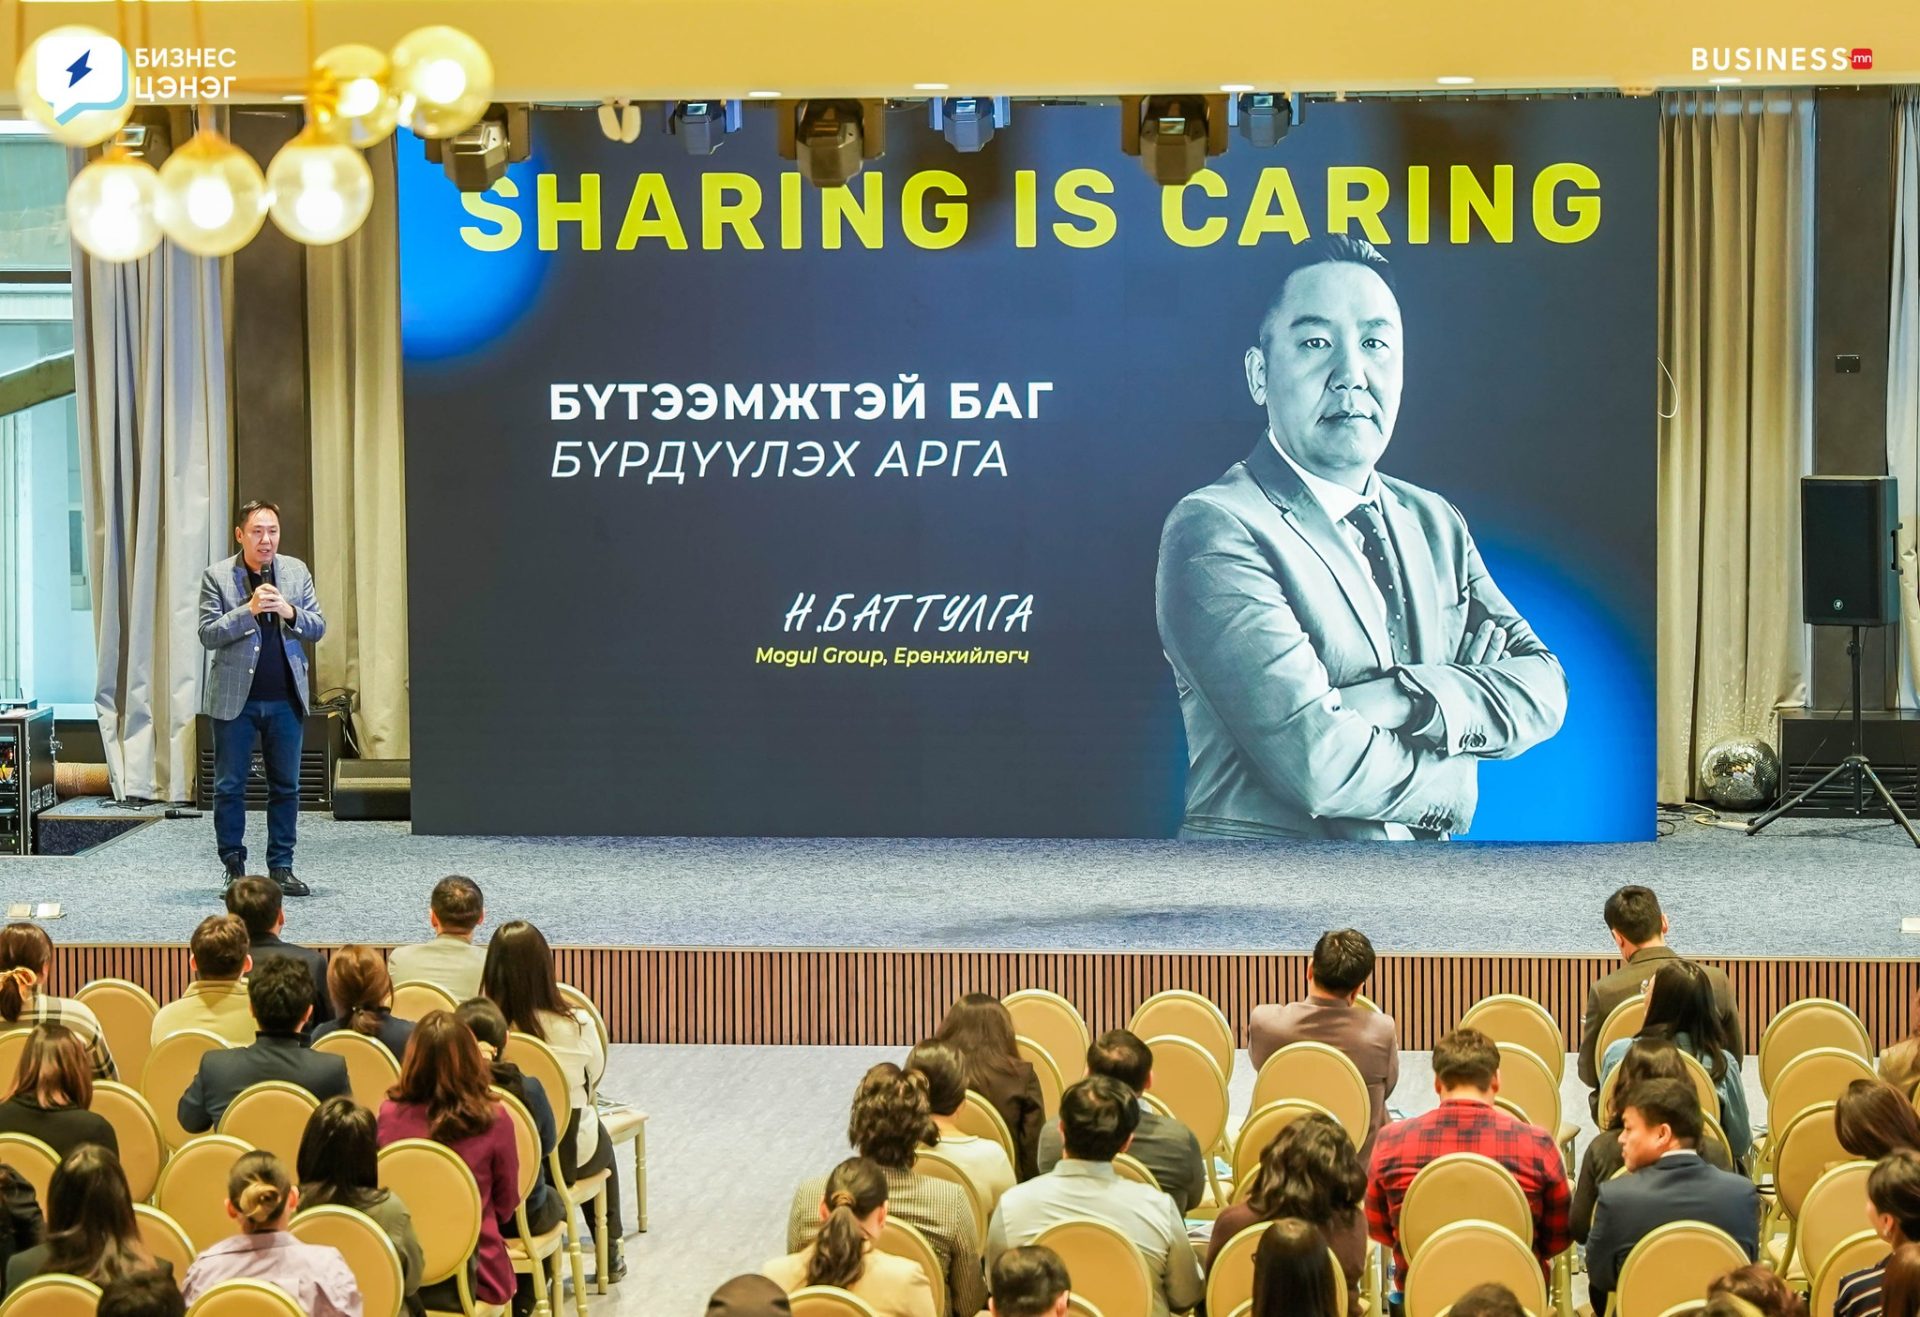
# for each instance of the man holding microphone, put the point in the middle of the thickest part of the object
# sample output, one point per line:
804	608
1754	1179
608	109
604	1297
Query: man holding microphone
257	610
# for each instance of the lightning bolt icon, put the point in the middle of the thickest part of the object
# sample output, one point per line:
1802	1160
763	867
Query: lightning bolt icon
78	69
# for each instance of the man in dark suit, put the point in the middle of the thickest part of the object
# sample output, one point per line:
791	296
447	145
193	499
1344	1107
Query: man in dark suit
258	903
1342	657
1639	929
1160	1143
1660	1129
281	996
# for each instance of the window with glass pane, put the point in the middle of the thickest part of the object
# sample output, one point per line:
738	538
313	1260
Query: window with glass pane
33	202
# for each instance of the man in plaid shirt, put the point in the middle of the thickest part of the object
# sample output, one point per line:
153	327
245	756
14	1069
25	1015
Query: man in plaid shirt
1466	1075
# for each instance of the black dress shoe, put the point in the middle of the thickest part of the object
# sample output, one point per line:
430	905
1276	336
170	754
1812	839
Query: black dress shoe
235	869
289	885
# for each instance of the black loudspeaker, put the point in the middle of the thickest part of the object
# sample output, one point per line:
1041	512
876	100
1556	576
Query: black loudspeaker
373	789
1849	573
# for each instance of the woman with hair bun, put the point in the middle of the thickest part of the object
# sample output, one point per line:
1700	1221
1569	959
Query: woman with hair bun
26	963
261	1198
853	1212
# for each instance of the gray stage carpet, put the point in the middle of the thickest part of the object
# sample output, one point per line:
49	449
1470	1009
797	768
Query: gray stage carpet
1805	887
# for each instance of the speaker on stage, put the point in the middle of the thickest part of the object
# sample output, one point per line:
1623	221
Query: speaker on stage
1849	574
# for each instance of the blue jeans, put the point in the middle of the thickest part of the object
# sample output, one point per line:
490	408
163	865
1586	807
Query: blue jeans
280	730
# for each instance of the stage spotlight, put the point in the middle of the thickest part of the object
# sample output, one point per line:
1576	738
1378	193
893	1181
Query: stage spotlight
477	158
1263	117
831	139
702	126
1173	135
619	120
967	122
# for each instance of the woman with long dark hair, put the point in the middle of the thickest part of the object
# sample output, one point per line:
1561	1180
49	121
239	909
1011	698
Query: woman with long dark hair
26	960
1292	1275
52	1091
362	993
1872	1119
1646	1058
1312	1173
853	1212
261	1199
1681	1011
339	1163
980	1029
91	1230
1893	1203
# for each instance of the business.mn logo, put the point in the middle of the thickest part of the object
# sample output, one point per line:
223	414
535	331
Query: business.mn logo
1862	58
1781	59
75	72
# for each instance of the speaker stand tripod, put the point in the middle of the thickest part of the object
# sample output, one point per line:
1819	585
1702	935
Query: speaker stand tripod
1855	764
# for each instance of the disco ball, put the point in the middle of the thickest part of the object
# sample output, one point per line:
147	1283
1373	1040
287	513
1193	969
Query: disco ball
1741	773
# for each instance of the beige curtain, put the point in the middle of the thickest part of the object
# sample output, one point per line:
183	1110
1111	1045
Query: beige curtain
1903	372
359	488
1735	334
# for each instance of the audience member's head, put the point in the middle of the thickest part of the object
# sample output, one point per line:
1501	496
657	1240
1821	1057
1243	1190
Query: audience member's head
1291	1274
945	1075
1646	1058
220	948
1466	1062
91	1230
456	907
1900	1283
749	1296
360	986
25	953
1490	1300
260	1197
144	1294
1872	1119
518	977
489	1029
1029	1282
1762	1289
890	1118
1310	1171
980	1028
1635	919
280	991
445	1073
1342	962
1680	1003
55	1069
258	903
853	1212
1120	1054
339	1159
1097	1119
1893	1191
1658	1117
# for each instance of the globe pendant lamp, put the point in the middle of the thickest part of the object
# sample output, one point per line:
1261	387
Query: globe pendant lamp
111	204
353	101
213	198
322	190
444	79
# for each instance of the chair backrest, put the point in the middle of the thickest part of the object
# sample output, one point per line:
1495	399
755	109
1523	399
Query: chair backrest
1831	1212
1104	1265
423	1172
1698	1074
1321	1074
1821	1075
1510	1018
1053	1022
53	1296
13	1042
371	1068
171	1066
1526	1082
366	1246
1193	1087
1856	1252
33	1159
976	1115
1712	1136
415	998
1803	1026
137	1130
904	1241
937	1165
1260	1130
1462	1186
193	1188
1623	1021
164	1238
579	1001
1468	1253
539	1064
526	1141
1129	1167
125	1011
1230	1280
272	1115
826	1301
1807	1147
1675	1264
1078	1306
245	1298
1045	1070
1188	1015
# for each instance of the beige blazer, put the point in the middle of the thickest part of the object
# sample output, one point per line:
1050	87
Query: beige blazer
893	1287
218	1006
448	962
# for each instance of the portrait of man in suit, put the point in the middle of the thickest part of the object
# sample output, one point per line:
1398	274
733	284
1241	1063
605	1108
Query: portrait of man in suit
1342	657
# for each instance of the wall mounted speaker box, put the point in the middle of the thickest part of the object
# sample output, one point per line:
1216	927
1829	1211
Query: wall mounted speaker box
373	789
1848	573
324	745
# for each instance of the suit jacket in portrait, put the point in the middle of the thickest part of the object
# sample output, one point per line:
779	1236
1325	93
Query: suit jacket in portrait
233	634
225	1074
1678	1188
1264	611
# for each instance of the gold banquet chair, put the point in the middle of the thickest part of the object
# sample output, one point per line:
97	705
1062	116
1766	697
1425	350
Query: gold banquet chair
1527	1082
1462	1186
1803	1026
1813	1077
271	1115
532	1253
826	1301
1830	1214
423	1172
170	1068
1673	1265
1510	1018
1103	1265
1188	1015
126	1013
976	1115
1129	1167
539	1063
937	1165
1623	1021
1801	1155
1468	1253
622	1121
371	1068
52	1296
193	1188
1053	1022
164	1238
366	1246
1045	1071
903	1240
13	1043
1259	1131
34	1160
1078	1306
1191	1085
1320	1074
1856	1252
137	1130
1698	1074
245	1298
416	998
1230	1282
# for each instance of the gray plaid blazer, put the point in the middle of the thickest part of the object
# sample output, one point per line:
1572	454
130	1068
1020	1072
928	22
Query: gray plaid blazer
232	634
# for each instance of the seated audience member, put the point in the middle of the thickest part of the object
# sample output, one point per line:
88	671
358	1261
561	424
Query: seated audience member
749	1296
1639	929
1681	1010
91	1229
489	1029
1310	1172
1648	1058
842	1255
281	996
1466	1076
1160	1143
261	1199
52	1094
363	995
984	1160
1342	963
26	953
450	961
147	1294
259	904
1893	1198
1490	1300
979	1028
1097	1118
890	1121
1899	1064
1290	1273
1872	1119
444	1094
1660	1131
518	978
1760	1287
339	1164
216	1000
1029	1282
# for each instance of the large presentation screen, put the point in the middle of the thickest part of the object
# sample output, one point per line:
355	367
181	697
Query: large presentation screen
1008	494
